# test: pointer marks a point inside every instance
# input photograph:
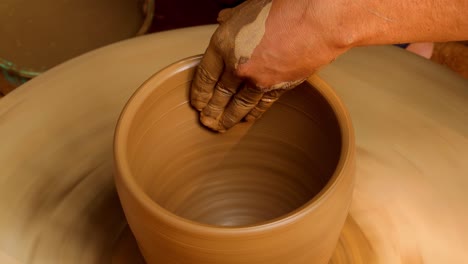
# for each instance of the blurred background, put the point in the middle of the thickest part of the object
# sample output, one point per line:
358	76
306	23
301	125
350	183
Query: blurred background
38	35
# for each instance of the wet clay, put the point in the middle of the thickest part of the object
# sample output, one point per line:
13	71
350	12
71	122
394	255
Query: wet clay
38	35
57	196
256	173
250	35
225	90
235	197
217	81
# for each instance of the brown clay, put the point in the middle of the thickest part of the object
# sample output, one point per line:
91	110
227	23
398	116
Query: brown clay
40	34
216	81
57	197
194	196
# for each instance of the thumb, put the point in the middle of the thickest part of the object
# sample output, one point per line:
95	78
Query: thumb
224	15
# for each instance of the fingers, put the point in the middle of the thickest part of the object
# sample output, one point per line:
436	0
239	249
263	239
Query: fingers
226	87
242	103
264	104
206	76
224	15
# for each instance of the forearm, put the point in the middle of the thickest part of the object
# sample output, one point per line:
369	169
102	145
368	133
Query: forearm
373	22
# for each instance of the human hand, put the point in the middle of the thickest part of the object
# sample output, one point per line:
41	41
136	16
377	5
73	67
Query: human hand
261	49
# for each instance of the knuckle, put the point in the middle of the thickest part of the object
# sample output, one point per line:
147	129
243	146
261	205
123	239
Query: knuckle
221	37
264	105
254	114
224	89
228	120
224	15
272	95
200	95
248	99
242	71
263	84
204	75
250	117
264	87
212	110
242	102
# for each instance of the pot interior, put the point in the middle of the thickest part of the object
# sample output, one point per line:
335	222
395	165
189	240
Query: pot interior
253	173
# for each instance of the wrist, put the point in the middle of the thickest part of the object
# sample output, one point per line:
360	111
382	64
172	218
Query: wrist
333	22
352	23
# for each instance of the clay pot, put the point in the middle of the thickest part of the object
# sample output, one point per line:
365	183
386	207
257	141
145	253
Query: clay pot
273	191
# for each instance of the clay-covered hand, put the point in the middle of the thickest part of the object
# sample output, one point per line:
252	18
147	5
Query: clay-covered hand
261	49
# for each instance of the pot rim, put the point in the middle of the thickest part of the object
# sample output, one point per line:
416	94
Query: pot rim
123	173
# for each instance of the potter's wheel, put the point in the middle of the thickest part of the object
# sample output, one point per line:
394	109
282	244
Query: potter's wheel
57	198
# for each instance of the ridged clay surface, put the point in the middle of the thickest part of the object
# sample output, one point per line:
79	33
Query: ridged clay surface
259	193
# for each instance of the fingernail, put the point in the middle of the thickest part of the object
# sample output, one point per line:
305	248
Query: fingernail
199	105
249	118
209	121
221	128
